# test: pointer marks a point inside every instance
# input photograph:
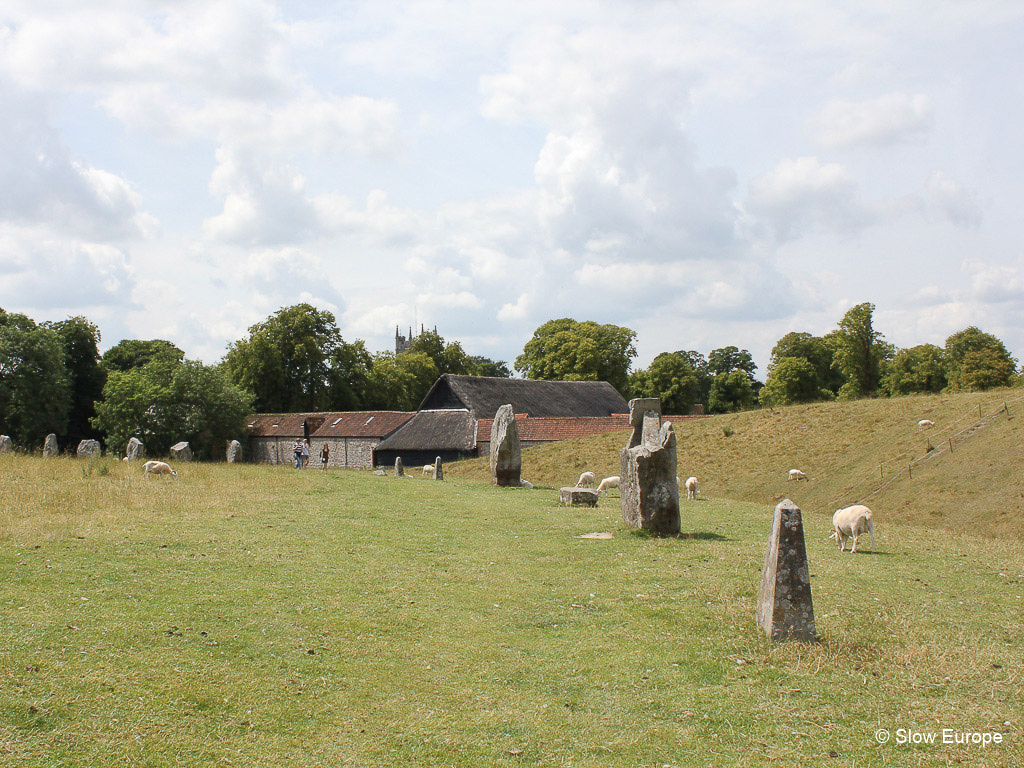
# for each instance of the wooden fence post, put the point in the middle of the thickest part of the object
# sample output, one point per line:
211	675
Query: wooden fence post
910	470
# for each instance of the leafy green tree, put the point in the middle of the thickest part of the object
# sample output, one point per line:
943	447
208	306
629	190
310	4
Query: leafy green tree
484	366
400	382
977	360
671	377
914	370
729	359
134	353
732	391
349	377
791	380
166	400
80	339
818	351
568	350
35	390
860	352
448	358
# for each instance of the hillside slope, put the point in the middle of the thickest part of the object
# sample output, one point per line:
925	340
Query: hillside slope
976	486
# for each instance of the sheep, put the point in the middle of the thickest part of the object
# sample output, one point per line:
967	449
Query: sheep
587	480
691	487
428	470
925	424
852	522
525	484
796	474
158	468
608	482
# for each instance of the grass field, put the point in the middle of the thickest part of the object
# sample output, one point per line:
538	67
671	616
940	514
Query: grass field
257	616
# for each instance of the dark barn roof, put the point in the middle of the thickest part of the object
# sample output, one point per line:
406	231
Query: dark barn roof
483	395
327	424
434	430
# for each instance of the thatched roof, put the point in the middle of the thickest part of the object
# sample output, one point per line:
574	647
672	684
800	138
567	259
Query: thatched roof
483	395
453	430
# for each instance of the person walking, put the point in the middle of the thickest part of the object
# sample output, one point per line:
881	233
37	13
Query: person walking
305	454
297	453
325	456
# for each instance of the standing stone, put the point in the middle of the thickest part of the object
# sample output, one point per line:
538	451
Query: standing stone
648	491
6	446
89	448
399	468
181	451
784	607
506	457
438	471
135	450
234	452
50	446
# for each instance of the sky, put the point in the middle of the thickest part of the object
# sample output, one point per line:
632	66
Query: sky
704	173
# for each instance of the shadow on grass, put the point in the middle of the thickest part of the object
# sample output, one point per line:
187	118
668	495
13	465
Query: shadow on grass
693	536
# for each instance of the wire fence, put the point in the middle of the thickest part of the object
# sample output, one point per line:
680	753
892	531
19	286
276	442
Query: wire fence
937	443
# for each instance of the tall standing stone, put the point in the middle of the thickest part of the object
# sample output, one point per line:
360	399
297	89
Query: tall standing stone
784	607
89	448
234	452
438	471
135	450
50	446
181	451
506	457
399	467
6	445
648	492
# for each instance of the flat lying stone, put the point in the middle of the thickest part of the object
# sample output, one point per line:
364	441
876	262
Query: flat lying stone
597	535
578	497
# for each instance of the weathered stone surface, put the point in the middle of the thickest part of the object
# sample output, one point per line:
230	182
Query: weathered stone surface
784	607
648	489
571	496
438	470
135	450
506	457
6	445
88	448
234	452
399	468
381	472
50	446
181	451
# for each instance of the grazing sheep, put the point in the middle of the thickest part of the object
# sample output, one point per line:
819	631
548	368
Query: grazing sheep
428	470
608	482
852	522
158	468
587	480
525	483
691	487
796	474
925	424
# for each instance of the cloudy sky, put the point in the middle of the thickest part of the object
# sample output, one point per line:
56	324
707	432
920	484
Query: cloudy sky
705	173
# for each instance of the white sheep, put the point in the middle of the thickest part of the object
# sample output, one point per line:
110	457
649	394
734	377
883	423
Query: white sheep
428	470
525	483
925	424
158	468
608	482
587	480
691	487
852	522
796	474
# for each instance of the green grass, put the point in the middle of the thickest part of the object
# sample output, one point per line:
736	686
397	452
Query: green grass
976	488
256	616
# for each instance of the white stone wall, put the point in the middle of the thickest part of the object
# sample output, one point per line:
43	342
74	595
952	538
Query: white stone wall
349	452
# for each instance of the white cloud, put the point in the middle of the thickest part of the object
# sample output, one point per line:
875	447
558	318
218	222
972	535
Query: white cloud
953	201
878	122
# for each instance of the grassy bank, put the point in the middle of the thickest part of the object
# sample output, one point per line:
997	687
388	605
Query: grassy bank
260	616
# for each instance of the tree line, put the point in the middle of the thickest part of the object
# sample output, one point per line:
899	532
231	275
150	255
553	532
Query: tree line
53	378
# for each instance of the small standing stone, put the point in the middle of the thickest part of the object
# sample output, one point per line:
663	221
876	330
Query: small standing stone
648	491
506	457
50	446
181	451
438	471
784	607
136	450
89	448
572	496
234	453
6	446
399	469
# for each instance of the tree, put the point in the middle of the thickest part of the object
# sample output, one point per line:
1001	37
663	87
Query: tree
733	391
818	351
918	369
400	382
568	350
671	377
166	401
484	366
977	360
35	391
80	339
791	380
860	352
729	359
349	377
134	353
448	358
